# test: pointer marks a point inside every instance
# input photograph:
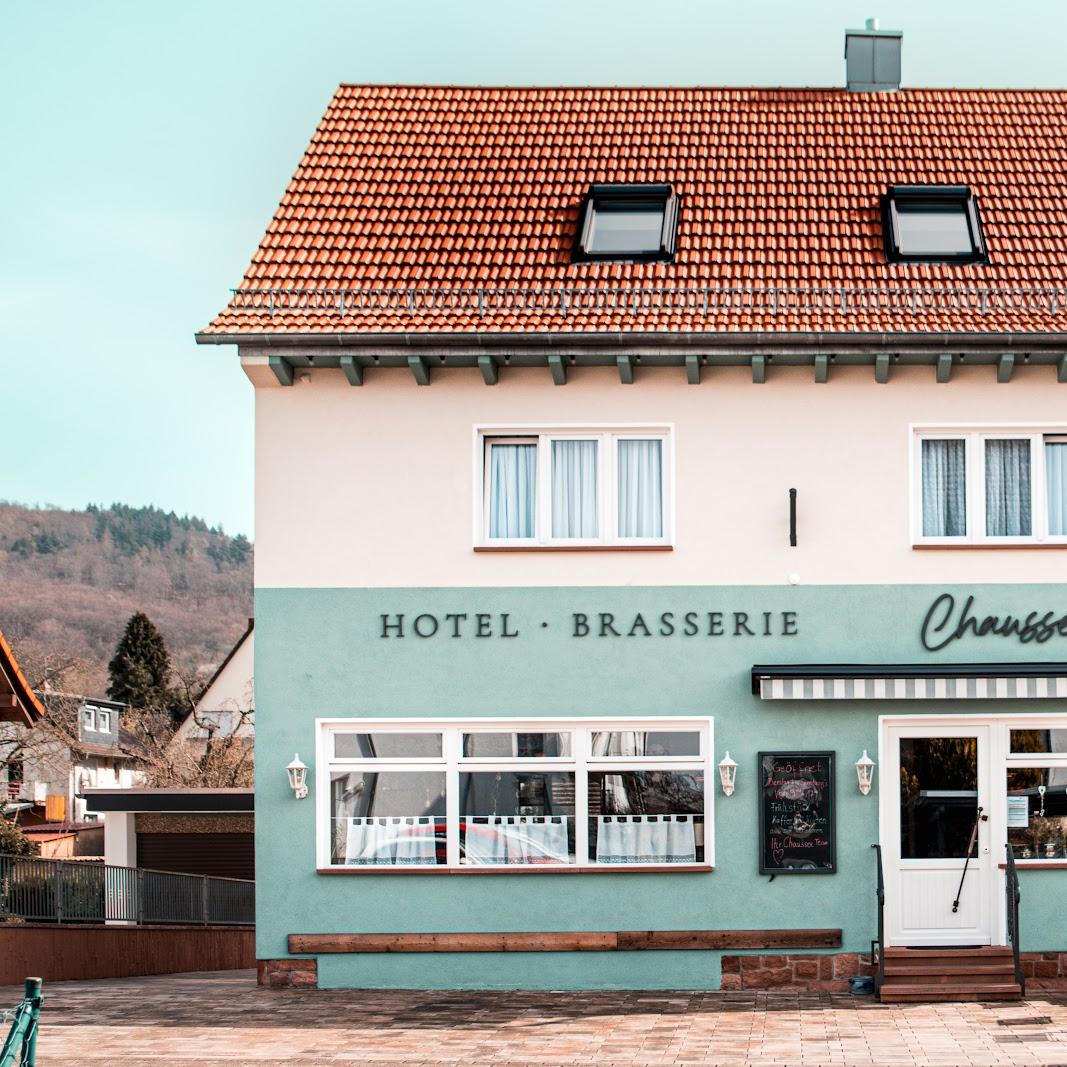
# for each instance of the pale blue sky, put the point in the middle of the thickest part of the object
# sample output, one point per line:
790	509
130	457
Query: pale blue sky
145	146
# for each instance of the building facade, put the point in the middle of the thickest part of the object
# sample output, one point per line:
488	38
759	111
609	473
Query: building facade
602	433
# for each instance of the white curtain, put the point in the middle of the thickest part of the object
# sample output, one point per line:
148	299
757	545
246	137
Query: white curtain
645	839
500	839
1007	488
1056	476
512	489
640	488
379	841
574	489
944	488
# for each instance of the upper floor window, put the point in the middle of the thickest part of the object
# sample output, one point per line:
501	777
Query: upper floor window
634	222
103	721
991	486
575	488
932	224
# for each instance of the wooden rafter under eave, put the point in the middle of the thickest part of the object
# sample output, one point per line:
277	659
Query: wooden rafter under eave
18	702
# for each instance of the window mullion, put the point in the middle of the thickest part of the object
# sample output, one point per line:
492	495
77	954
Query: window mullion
1038	488
609	510
580	746
976	521
544	488
451	741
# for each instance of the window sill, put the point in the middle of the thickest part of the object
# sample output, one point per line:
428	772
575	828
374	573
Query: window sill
988	546
1037	865
577	548
657	868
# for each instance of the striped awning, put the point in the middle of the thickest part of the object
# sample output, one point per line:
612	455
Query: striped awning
946	681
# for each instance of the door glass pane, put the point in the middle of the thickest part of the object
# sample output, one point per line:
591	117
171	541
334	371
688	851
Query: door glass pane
1037	812
1053	742
938	796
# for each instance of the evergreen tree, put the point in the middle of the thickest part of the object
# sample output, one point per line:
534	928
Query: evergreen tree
140	668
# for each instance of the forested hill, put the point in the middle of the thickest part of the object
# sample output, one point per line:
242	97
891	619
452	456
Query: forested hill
69	580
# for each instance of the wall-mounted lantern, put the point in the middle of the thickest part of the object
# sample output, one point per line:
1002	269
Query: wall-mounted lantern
727	775
298	777
865	772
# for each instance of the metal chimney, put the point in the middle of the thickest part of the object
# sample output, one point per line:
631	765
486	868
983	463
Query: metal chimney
872	59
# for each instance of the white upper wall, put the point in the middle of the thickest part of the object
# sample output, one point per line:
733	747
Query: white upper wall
375	485
230	694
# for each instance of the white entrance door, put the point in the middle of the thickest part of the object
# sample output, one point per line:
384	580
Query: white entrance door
935	805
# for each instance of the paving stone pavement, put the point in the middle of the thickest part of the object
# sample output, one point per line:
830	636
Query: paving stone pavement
224	1018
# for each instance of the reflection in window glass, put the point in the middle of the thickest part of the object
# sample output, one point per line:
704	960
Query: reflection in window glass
933	229
626	226
387	746
516	745
646	743
514	818
1037	812
938	796
388	817
646	817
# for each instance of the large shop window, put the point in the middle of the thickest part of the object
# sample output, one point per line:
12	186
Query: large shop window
991	487
501	793
574	488
1037	794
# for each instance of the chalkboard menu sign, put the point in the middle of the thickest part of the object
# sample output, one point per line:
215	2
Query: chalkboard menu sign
796	813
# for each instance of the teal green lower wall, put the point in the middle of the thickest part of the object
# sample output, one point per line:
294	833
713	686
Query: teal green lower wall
319	653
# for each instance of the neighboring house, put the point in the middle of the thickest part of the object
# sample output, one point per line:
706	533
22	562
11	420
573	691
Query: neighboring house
226	706
58	766
20	710
638	470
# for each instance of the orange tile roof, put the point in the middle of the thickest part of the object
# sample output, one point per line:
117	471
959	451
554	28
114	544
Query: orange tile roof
444	186
24	707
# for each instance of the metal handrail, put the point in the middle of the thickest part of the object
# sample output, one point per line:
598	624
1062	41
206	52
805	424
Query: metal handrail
1013	895
63	891
635	300
879	974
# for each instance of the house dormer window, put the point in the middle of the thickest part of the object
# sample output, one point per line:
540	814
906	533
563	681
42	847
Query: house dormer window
932	224
627	222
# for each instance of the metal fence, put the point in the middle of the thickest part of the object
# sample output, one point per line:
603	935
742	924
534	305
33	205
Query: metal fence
60	891
588	300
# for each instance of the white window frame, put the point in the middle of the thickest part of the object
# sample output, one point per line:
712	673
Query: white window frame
89	719
607	437
103	720
1040	760
452	763
975	438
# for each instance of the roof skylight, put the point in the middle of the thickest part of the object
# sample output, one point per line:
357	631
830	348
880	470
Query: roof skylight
932	224
627	222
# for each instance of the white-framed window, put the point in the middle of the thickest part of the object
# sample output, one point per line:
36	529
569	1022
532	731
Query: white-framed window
1036	786
103	721
573	486
89	719
518	794
989	485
